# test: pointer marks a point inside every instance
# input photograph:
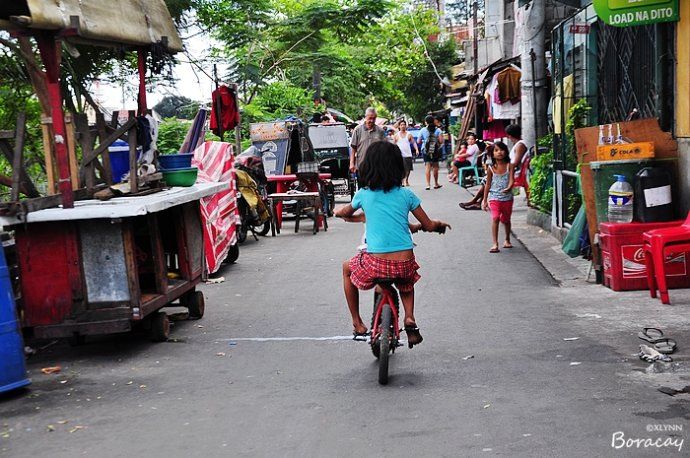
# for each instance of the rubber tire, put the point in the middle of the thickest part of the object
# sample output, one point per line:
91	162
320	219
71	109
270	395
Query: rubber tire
233	254
195	304
375	347
242	233
385	344
265	228
160	327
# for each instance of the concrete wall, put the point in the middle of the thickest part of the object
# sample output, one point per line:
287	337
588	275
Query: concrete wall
682	100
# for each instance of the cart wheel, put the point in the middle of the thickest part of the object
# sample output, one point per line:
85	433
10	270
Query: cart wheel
160	327
233	254
242	233
195	303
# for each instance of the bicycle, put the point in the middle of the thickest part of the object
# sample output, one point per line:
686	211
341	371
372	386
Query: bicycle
385	334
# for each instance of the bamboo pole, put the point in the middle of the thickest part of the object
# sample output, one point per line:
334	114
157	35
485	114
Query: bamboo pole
71	151
46	128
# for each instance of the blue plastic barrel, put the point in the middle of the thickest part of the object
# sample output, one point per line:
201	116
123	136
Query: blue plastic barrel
12	364
119	159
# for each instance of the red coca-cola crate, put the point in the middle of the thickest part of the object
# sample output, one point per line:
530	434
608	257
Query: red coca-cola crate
623	257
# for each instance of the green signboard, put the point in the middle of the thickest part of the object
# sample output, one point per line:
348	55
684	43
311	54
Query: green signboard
625	13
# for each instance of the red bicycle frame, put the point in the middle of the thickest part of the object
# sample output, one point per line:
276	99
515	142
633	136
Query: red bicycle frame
386	299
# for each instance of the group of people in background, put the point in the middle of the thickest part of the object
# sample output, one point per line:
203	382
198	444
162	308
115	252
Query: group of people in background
501	164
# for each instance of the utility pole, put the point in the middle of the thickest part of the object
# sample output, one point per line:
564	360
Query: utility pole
475	59
534	90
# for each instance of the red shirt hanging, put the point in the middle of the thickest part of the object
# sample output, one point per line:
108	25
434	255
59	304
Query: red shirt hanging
224	99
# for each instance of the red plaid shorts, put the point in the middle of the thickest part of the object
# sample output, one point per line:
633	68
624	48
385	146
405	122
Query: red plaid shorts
366	268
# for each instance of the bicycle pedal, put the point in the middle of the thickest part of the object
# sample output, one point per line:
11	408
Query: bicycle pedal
361	338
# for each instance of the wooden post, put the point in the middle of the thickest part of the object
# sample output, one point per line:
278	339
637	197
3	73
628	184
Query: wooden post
132	140
102	136
47	128
50	49
87	141
141	66
71	150
17	159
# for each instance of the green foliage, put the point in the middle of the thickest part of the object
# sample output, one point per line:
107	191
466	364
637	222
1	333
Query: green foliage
541	181
171	134
176	106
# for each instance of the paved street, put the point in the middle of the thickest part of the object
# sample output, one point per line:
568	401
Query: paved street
208	392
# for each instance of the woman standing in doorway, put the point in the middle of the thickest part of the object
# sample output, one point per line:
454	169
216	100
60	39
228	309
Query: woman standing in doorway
403	139
431	148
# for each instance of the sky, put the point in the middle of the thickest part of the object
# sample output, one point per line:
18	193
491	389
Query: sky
191	81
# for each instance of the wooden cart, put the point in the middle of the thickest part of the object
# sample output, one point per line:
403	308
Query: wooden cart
102	266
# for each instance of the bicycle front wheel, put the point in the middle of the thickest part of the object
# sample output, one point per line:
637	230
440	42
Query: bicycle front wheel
385	339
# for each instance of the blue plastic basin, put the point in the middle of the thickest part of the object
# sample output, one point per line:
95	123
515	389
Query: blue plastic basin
175	161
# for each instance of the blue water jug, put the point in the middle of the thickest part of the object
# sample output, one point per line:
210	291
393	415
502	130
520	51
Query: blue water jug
12	364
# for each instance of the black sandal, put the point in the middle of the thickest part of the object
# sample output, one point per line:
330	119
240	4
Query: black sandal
413	334
360	335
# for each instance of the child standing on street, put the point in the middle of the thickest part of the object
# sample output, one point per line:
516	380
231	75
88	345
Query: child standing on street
389	254
498	194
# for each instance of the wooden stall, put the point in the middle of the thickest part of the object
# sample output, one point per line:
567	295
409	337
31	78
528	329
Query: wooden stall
101	267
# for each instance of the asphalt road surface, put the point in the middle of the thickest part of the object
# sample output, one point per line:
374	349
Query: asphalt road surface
492	377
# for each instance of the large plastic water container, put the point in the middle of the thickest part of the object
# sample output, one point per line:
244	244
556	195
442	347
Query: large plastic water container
620	201
270	163
119	159
653	195
12	364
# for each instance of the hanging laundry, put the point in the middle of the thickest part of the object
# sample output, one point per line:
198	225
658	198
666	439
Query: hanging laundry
225	100
494	130
509	85
507	110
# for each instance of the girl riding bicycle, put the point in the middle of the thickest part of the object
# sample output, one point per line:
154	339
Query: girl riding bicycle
389	253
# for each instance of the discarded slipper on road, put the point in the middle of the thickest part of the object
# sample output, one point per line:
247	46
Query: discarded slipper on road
660	343
650	355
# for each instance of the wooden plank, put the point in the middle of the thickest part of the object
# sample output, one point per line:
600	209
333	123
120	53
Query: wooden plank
109	141
46	129
157	253
87	141
8	152
132	140
105	155
132	269
72	150
18	155
7	134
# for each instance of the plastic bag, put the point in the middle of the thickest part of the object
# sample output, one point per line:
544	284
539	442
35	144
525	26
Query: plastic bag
571	243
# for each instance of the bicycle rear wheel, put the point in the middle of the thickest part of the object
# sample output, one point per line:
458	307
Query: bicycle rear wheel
385	339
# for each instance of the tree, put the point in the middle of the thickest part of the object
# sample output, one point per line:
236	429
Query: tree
177	106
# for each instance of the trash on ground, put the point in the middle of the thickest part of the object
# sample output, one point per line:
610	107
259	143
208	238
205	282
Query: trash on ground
650	355
28	351
486	406
673	392
51	370
76	428
220	353
570	339
575	363
216	280
468	357
50	428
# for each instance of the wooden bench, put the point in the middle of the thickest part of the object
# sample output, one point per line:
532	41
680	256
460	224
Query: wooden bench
304	200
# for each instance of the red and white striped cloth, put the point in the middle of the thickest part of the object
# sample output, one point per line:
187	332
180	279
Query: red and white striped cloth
218	212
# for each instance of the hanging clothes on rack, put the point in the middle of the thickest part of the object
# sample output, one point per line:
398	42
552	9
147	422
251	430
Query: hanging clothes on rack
494	130
509	85
224	107
507	110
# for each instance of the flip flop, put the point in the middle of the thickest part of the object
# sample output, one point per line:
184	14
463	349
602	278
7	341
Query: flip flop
494	250
413	335
665	346
360	335
509	245
651	335
438	186
427	188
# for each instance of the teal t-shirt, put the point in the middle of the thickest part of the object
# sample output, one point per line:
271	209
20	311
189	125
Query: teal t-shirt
387	213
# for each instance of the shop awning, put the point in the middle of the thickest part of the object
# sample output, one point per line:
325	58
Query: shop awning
99	22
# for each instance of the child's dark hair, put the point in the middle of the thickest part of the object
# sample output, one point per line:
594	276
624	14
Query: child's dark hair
503	147
382	167
464	143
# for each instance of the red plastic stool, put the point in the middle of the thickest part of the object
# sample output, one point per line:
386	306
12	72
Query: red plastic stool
657	243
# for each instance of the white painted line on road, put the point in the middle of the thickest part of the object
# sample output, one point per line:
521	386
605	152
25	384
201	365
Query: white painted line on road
284	339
